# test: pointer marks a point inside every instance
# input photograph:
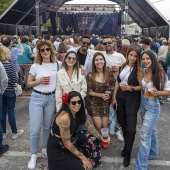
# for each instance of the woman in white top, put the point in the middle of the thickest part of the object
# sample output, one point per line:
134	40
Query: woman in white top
154	83
42	77
70	78
126	95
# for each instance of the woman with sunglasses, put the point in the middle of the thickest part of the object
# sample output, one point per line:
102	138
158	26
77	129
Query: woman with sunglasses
126	96
70	78
64	150
99	82
154	84
42	77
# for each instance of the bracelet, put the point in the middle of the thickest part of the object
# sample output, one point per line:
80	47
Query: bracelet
132	88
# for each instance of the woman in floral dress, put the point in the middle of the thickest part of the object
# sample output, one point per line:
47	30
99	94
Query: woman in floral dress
99	84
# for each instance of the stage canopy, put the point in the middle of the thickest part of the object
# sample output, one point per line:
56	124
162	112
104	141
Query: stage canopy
22	13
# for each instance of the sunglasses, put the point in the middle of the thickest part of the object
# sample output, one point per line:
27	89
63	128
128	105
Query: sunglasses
45	49
85	43
105	43
71	58
76	102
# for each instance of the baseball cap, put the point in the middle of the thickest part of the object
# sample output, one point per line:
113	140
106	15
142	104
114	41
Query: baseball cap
146	41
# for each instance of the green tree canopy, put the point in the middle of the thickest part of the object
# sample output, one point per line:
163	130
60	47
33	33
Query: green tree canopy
4	4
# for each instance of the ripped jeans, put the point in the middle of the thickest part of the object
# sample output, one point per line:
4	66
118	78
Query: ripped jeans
148	148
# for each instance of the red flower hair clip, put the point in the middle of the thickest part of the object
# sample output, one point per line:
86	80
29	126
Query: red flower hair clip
65	98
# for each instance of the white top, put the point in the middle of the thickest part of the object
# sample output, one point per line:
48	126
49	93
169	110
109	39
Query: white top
163	51
39	71
34	52
115	59
124	75
56	44
65	85
150	85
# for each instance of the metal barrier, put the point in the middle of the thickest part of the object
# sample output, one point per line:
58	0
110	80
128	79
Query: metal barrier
23	76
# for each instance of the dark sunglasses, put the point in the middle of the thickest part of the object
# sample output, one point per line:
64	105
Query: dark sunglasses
105	43
71	58
45	49
74	102
85	43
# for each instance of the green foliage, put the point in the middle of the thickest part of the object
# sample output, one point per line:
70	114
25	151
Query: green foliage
45	25
4	4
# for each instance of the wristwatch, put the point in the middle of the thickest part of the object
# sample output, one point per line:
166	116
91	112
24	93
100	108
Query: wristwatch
132	88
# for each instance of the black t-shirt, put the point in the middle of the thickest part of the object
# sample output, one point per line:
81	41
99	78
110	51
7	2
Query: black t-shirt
81	57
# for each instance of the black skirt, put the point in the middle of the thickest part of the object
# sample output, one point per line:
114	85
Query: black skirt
59	159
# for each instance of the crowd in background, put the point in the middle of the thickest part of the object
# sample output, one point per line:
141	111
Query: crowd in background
90	69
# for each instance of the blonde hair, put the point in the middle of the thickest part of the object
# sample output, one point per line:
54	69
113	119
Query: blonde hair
5	53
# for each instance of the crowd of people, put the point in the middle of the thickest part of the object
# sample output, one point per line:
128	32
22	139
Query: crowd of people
72	77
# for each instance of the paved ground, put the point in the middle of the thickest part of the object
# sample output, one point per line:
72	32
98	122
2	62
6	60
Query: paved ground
18	155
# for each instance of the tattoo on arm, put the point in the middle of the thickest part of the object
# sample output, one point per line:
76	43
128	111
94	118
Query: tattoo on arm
74	150
91	129
64	126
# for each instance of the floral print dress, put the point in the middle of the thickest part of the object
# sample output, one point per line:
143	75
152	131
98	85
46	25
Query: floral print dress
96	106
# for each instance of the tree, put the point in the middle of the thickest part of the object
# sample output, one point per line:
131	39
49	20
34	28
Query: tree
4	5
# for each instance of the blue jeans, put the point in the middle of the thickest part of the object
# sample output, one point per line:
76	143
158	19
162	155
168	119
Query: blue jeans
1	146
113	123
8	107
168	73
148	149
42	110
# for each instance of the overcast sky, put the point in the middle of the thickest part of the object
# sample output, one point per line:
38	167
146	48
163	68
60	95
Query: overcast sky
163	6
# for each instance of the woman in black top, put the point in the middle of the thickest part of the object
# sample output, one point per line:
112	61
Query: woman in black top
62	153
127	96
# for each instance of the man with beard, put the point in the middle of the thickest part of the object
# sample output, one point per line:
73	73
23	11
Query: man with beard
84	55
113	60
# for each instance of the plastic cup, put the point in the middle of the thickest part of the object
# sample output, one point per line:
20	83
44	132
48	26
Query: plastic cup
150	94
105	145
105	133
109	93
123	83
47	79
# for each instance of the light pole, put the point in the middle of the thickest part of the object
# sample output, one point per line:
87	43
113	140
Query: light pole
37	7
126	16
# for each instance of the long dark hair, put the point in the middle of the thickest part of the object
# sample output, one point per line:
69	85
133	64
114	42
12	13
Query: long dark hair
94	70
80	115
158	74
76	65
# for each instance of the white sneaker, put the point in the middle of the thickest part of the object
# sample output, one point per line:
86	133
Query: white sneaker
33	161
168	98
5	134
19	133
119	136
44	151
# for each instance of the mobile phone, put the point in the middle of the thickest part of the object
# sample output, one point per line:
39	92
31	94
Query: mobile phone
115	107
14	39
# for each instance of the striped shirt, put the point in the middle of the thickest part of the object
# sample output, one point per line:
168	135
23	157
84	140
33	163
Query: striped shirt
11	73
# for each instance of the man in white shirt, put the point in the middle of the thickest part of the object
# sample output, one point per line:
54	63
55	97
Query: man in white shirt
57	43
113	60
